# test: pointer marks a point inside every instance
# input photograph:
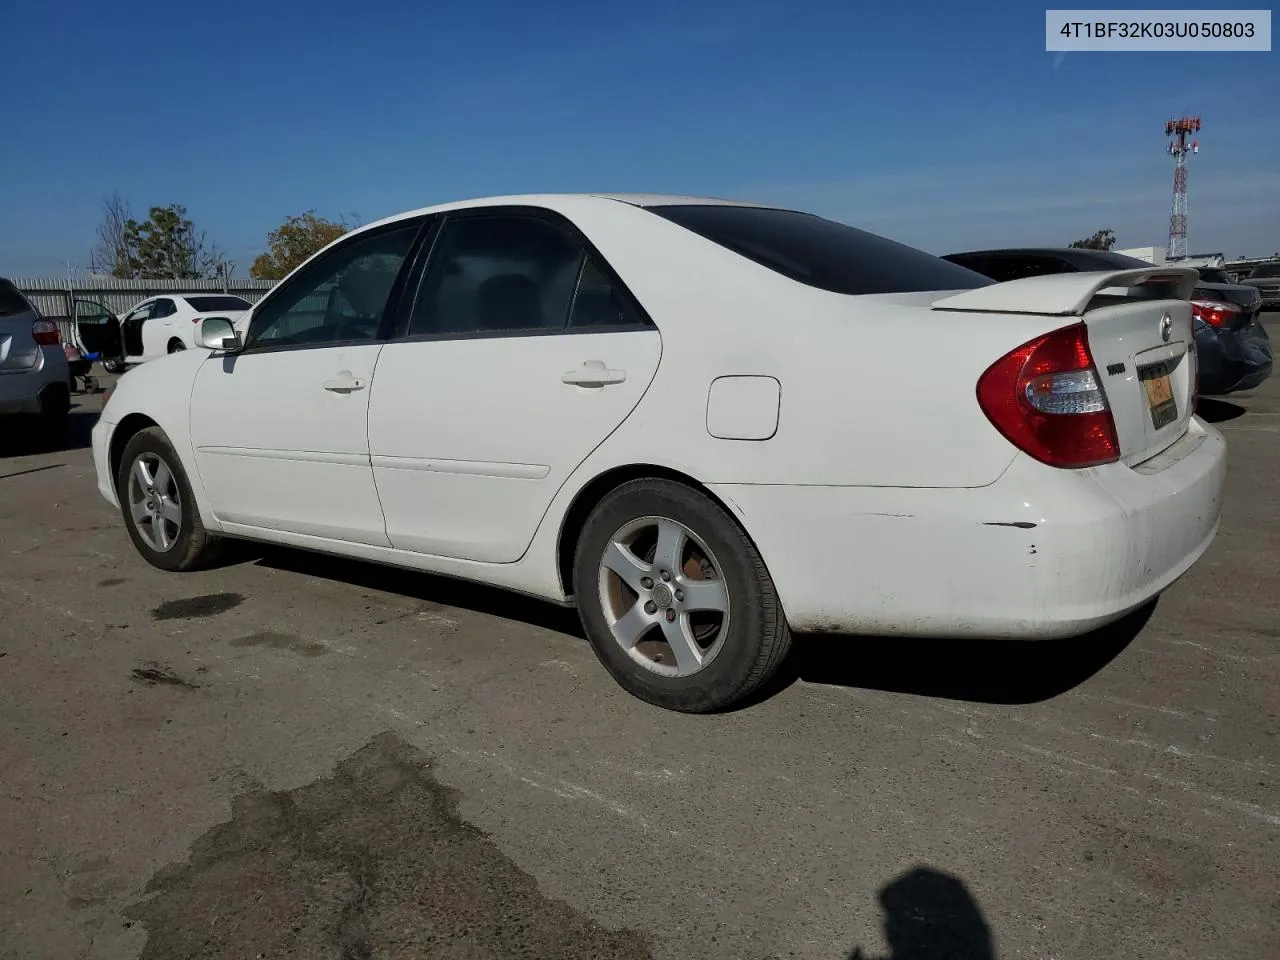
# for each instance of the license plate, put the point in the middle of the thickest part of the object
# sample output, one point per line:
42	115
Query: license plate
1158	386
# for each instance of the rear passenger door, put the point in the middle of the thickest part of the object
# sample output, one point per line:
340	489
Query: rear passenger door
522	353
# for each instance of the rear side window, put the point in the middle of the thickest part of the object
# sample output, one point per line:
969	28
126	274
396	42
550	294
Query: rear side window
497	273
212	303
12	303
1268	270
821	253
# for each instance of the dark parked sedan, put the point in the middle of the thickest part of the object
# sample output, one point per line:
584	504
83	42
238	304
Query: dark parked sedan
1232	346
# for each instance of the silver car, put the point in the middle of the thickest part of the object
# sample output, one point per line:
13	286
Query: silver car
34	377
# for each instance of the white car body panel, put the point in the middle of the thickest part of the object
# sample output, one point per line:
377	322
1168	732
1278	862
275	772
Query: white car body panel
276	449
473	477
875	500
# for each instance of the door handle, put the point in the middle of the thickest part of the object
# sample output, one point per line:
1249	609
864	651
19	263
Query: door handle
593	373
344	383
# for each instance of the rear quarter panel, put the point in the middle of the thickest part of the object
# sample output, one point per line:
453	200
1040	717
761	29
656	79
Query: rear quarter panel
874	392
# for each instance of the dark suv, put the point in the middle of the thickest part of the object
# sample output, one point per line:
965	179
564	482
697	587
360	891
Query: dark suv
1266	278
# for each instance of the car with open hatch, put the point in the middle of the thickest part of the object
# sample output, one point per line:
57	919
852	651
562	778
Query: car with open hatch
707	424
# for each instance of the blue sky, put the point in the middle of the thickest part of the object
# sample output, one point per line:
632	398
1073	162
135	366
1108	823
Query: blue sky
940	124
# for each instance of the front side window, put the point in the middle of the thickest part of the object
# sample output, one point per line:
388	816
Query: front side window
494	274
821	253
339	298
143	312
1265	271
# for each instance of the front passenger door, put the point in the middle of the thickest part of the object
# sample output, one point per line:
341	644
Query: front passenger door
280	429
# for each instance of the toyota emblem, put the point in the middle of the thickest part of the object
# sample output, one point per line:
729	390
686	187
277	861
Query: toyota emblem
1166	327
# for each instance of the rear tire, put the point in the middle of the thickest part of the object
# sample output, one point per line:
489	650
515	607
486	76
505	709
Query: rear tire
693	622
113	366
175	345
159	506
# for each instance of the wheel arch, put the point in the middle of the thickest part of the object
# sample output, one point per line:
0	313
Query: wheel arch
596	489
125	431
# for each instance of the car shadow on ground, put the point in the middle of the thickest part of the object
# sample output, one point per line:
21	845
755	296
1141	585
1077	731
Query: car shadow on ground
1218	411
426	587
975	670
26	437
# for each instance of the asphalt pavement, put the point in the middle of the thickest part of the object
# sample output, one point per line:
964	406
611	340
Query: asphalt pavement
297	756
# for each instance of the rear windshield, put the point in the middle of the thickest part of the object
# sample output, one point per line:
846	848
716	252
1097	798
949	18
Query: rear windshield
208	304
12	303
1106	260
821	253
1267	270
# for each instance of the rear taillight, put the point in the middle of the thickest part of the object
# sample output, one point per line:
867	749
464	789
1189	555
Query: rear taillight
1046	398
1214	312
46	333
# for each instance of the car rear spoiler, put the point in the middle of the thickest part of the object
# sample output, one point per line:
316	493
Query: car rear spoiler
1070	294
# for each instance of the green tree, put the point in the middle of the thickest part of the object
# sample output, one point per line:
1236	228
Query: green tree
293	242
167	246
1102	240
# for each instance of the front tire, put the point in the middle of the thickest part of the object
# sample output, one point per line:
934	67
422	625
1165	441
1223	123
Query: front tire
159	507
676	600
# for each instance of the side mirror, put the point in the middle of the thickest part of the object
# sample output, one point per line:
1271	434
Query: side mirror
217	333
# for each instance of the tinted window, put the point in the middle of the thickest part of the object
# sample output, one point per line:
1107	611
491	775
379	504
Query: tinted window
12	303
510	272
1266	270
1005	268
1092	260
163	308
821	253
341	297
600	303
221	302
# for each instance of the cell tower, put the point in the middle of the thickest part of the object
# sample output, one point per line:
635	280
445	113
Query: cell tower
1178	147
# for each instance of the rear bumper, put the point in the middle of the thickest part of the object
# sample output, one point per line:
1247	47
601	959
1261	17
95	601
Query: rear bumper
42	388
1233	360
1040	553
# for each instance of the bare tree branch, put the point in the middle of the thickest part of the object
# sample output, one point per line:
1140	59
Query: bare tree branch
112	253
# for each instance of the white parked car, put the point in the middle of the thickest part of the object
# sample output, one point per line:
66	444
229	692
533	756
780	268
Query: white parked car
707	424
155	327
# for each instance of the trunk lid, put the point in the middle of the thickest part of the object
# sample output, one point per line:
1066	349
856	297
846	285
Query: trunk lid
1140	336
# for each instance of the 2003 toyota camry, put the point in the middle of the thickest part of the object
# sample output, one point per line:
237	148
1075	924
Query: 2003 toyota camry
707	424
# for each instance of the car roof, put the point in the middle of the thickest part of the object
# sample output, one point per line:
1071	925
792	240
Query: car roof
558	201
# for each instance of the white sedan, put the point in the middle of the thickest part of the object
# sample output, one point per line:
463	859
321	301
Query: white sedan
166	324
706	424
